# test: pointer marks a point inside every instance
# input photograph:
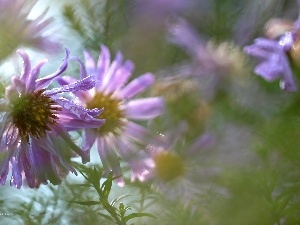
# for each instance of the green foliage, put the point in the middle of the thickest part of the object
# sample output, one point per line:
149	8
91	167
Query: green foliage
96	22
115	214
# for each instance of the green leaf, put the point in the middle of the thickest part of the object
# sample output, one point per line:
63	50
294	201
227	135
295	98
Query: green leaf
106	186
122	210
134	215
87	202
114	201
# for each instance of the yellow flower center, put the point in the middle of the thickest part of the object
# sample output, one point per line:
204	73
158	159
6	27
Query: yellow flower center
33	113
168	165
112	113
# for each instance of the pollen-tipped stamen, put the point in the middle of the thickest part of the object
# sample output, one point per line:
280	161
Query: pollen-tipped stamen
33	113
113	114
168	166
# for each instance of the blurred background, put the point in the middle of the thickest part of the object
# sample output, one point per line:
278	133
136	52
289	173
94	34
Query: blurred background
234	137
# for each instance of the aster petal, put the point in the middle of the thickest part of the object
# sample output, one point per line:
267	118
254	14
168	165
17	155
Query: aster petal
43	163
143	109
74	124
140	134
204	141
139	163
30	83
42	25
109	158
267	44
57	147
89	63
16	177
256	51
66	80
32	182
115	65
83	73
137	86
45	81
25	74
35	161
267	72
10	136
103	63
120	77
88	138
78	110
81	85
18	84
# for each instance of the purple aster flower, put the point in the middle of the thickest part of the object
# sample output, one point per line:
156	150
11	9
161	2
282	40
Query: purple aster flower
34	137
16	29
282	36
275	63
119	135
175	171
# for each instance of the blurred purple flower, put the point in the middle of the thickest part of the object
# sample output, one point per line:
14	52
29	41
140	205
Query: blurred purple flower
215	66
282	35
175	170
119	135
16	29
275	63
33	133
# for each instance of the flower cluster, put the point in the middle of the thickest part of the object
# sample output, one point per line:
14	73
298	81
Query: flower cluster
36	121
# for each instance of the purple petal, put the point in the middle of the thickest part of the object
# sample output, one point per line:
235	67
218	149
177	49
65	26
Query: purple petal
81	85
16	177
83	73
109	158
77	110
204	141
88	138
36	160
146	108
103	63
115	65
46	81
18	84
26	165
267	44
267	72
137	86
120	77
256	51
139	163
30	83
89	63
66	80
140	134
74	124
26	66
